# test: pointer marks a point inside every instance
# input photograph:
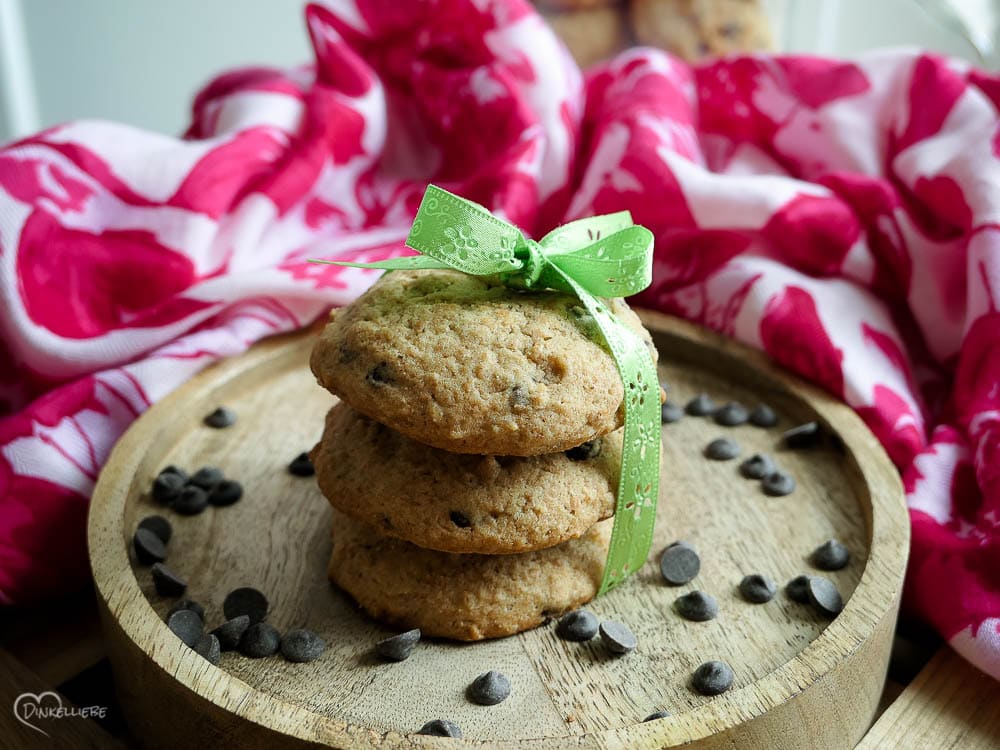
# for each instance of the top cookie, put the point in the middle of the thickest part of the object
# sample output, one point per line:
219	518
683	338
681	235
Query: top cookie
465	364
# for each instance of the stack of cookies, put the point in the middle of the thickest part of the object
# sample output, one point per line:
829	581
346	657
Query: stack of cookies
472	460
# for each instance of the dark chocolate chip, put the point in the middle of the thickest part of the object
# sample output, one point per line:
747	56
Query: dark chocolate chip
167	486
580	625
190	604
697	606
172	469
231	631
590	449
656	715
208	648
758	466
459	519
807	435
441	728
823	595
831	555
187	626
302	645
679	563
220	418
260	640
778	483
192	501
519	397
722	449
670	412
398	647
797	589
380	374
226	492
489	689
731	414
712	678
149	548
617	638
245	601
301	466
757	589
167	582
700	406
159	526
763	416
206	477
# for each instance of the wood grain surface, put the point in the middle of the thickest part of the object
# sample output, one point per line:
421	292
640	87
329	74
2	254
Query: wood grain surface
800	681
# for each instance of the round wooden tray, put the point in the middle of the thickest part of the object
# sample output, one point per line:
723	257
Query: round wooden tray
801	682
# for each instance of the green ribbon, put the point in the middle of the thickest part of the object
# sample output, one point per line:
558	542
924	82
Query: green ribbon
601	256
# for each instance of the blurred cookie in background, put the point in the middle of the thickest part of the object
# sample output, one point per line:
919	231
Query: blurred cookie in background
694	29
592	33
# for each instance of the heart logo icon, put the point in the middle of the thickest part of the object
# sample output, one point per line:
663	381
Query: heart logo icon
28	705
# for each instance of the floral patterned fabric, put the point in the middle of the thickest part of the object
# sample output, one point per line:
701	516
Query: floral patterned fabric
842	216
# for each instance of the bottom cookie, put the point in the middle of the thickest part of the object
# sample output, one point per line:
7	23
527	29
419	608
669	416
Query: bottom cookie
464	597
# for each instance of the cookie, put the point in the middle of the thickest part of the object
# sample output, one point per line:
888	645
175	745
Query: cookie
468	365
455	502
592	34
694	29
464	597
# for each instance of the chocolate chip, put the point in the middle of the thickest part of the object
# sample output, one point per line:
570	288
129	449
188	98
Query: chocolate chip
519	397
260	640
301	466
656	715
206	477
590	449
231	631
797	589
459	519
167	582
221	418
489	689
807	435
580	625
697	606
831	555
186	625
208	648
763	416
380	374
670	412
679	563
167	486
190	604
172	469
226	492
302	645
823	595
757	588
758	466
398	647
159	526
731	414
441	728
149	548
617	638
700	406
712	678
192	501
722	449
778	483
245	601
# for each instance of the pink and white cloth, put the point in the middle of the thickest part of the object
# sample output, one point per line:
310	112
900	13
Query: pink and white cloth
842	216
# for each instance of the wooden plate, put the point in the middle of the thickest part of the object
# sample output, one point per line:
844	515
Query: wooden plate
801	682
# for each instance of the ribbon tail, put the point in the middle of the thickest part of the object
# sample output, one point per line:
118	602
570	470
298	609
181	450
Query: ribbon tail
406	263
639	477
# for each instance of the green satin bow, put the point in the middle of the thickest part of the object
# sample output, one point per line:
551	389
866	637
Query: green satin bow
600	256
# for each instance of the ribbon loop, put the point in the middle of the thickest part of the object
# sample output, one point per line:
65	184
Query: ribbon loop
591	258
